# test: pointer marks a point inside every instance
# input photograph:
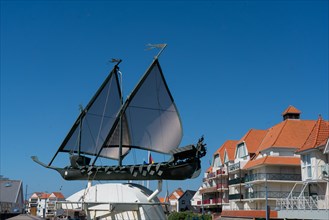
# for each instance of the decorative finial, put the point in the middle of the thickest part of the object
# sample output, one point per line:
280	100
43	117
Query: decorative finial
159	46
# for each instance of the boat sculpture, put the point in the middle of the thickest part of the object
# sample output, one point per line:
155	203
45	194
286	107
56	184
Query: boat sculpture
108	128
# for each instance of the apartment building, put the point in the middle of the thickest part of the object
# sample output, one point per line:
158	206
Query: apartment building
313	200
214	190
43	204
267	166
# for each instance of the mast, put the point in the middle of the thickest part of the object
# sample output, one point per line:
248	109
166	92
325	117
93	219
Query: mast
117	71
150	46
80	131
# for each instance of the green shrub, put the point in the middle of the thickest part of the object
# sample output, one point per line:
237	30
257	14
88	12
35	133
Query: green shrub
188	216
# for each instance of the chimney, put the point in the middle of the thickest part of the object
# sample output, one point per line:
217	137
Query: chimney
291	113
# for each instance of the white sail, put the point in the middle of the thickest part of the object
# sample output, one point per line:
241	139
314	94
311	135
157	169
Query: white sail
151	120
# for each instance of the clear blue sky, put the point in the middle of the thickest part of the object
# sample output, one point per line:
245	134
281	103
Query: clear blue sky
230	65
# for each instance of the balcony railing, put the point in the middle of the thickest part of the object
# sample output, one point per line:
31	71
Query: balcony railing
235	196
270	194
236	181
273	176
221	171
233	167
212	201
304	203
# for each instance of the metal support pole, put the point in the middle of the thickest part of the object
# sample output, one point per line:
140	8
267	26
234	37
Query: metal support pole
266	197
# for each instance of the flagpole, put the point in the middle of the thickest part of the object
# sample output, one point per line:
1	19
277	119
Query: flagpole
148	156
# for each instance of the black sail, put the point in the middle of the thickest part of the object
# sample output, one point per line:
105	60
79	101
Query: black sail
90	130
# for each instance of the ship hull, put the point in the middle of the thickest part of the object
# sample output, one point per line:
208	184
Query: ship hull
155	171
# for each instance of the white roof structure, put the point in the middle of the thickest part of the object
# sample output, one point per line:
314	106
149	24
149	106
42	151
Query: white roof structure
116	201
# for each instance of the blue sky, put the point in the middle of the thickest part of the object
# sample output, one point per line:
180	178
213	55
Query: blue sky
230	65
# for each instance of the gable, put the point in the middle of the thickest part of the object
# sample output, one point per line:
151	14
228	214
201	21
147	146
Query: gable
326	149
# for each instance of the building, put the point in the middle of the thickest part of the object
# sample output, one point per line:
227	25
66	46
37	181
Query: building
11	197
313	200
266	167
214	190
196	201
173	199
184	202
43	204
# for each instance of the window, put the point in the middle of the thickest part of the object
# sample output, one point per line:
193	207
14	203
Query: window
217	162
226	160
183	202
241	151
306	159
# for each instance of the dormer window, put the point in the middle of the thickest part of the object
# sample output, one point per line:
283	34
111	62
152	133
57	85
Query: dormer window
226	160
241	152
217	162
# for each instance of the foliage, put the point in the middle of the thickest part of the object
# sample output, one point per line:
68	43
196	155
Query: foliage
188	216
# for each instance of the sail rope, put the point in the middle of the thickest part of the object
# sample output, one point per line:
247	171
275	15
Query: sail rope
103	115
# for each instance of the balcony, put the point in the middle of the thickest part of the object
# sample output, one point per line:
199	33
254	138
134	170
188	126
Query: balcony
222	186
270	194
208	189
218	201
234	167
221	171
273	176
235	196
236	181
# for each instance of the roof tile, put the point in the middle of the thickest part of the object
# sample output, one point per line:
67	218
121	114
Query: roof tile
291	110
318	136
273	160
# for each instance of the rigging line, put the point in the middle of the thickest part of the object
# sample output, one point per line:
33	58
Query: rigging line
154	109
102	117
92	138
109	117
159	104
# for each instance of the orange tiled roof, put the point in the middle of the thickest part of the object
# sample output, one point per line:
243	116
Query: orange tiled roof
209	169
162	199
230	150
318	136
58	195
44	196
287	134
291	110
228	145
176	194
273	160
253	138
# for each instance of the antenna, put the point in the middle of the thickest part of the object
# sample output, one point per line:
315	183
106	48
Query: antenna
159	46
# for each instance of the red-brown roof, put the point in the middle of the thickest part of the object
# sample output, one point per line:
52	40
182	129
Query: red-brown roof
287	134
162	199
58	195
318	136
44	196
230	151
209	169
253	139
291	110
229	146
273	160
176	194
